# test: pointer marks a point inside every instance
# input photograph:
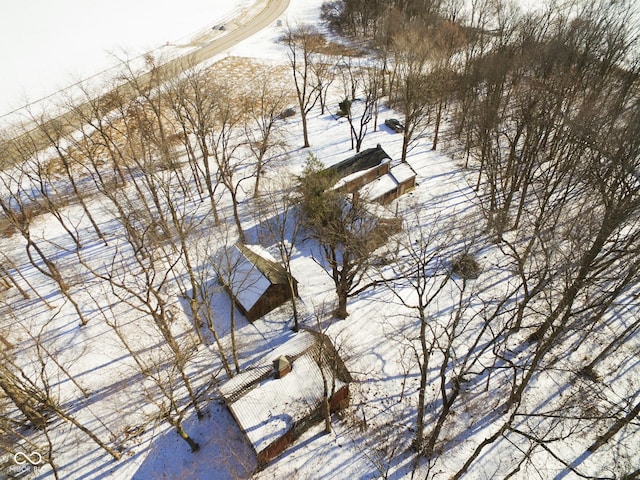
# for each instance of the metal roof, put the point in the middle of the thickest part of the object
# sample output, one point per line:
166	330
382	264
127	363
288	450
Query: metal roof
248	271
266	407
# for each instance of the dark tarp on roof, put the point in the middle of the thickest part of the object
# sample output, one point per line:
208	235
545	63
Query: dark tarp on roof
361	161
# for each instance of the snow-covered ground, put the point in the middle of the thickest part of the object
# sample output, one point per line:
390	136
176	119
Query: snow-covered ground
371	339
48	46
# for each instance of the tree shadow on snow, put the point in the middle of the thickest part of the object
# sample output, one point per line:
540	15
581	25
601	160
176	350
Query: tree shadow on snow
224	452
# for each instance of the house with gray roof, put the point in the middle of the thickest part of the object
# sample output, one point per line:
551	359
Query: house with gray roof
277	399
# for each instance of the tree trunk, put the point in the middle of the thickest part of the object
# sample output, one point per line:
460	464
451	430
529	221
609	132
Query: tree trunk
22	401
8	279
234	346
326	413
615	428
405	146
195	446
341	311
54	274
114	453
418	441
294	303
444	413
437	125
236	215
305	133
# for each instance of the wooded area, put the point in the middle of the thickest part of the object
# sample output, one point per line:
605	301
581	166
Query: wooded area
541	112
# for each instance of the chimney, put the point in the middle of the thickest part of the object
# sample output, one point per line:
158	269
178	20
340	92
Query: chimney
281	366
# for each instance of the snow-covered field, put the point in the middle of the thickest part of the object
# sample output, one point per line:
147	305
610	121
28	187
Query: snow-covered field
372	439
48	46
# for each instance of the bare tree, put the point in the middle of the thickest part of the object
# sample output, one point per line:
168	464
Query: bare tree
20	213
570	187
228	264
423	270
330	365
413	90
9	279
448	40
302	42
346	231
64	156
279	210
323	73
263	104
33	393
23	401
370	79
208	289
226	141
139	276
193	103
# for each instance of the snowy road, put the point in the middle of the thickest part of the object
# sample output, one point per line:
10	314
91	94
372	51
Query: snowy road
259	21
243	28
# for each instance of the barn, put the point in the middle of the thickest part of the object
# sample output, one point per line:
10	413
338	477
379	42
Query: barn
255	280
277	399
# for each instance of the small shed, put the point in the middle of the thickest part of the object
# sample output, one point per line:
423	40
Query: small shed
255	280
277	399
398	180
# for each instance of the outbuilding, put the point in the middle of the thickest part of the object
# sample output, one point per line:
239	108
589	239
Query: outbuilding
398	180
374	175
256	281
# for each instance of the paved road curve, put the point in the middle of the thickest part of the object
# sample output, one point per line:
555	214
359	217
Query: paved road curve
257	21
